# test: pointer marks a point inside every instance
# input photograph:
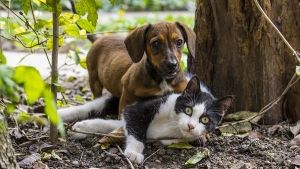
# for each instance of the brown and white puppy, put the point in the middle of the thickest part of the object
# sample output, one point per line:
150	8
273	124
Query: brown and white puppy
144	64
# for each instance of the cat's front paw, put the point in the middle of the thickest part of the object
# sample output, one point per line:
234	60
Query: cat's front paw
134	157
79	126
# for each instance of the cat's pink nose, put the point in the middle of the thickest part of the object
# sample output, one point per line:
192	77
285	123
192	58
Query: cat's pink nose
191	127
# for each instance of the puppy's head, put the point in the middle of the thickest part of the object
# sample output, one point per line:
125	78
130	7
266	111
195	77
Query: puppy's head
163	43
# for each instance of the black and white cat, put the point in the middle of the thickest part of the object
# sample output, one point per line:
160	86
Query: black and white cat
172	118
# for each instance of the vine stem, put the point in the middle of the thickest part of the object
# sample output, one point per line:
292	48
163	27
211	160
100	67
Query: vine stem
278	31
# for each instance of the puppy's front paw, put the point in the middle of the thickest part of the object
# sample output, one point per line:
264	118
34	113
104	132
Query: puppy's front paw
134	157
79	126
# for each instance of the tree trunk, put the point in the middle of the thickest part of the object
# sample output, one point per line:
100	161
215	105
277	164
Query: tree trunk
7	157
54	72
239	53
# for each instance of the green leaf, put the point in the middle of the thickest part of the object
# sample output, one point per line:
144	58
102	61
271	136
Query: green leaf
86	25
50	110
41	23
2	57
197	157
24	117
10	108
8	87
87	6
115	2
32	81
49	44
58	6
83	63
72	30
79	99
68	18
298	70
25	5
181	146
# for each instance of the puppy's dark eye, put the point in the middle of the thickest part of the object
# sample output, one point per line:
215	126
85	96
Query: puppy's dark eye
179	43
155	44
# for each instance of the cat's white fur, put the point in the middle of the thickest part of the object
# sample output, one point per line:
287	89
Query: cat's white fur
94	126
134	149
81	112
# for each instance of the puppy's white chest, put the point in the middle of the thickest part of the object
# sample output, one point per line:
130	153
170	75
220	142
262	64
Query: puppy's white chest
165	88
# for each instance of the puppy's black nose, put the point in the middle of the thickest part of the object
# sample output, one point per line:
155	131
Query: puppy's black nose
172	64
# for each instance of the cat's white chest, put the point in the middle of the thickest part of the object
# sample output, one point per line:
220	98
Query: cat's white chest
165	123
163	128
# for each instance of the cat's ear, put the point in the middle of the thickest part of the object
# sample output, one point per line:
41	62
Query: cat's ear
224	103
193	87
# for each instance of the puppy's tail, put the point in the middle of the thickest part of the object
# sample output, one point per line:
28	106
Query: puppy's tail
104	105
90	37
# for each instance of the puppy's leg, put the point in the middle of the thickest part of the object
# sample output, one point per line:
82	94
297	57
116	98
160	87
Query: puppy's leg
84	111
95	84
94	126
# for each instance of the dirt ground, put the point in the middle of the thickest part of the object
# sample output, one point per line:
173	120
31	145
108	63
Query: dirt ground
260	149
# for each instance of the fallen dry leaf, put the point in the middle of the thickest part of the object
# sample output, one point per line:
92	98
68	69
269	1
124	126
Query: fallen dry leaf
29	160
180	146
240	128
241	115
295	141
295	129
296	161
119	133
39	165
272	130
198	157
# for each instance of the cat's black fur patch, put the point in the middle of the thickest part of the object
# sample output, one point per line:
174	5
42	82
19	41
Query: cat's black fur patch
140	115
110	108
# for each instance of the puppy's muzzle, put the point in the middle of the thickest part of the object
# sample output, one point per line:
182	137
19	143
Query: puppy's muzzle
171	68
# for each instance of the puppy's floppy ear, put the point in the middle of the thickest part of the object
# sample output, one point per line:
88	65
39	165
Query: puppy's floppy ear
135	43
189	37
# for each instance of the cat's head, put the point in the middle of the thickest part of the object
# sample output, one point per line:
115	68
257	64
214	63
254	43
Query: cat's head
198	111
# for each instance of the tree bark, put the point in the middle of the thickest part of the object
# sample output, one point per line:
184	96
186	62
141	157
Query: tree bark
7	155
239	53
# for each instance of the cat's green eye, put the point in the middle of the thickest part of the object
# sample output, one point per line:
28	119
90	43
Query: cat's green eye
188	111
204	120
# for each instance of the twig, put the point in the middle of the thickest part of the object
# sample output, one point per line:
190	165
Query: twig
64	98
96	134
150	156
278	31
292	82
8	8
129	162
32	12
81	157
17	39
